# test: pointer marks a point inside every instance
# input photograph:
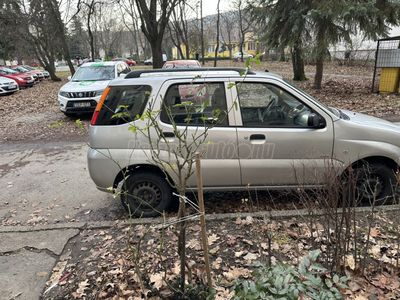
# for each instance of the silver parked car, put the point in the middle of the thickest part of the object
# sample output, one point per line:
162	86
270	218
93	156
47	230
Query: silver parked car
278	138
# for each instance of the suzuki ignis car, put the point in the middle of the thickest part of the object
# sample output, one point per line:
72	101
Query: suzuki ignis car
85	88
269	134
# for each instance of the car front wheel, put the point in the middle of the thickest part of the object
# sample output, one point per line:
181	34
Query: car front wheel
146	194
374	182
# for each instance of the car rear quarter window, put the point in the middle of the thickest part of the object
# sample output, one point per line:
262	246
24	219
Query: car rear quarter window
197	104
123	104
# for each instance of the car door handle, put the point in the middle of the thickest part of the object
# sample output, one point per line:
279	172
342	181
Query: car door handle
168	134
257	137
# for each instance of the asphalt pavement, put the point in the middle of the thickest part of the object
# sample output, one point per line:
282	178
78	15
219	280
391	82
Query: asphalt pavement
47	197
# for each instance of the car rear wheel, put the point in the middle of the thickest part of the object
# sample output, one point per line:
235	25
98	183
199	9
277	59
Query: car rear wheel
146	194
374	182
131	65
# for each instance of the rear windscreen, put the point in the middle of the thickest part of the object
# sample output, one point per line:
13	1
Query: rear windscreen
123	104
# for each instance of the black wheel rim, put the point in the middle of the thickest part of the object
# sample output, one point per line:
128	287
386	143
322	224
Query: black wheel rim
145	195
370	187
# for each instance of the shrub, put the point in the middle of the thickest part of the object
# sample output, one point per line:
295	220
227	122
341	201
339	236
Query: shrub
285	282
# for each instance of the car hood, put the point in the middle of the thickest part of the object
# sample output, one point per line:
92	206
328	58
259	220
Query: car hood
371	122
81	86
4	80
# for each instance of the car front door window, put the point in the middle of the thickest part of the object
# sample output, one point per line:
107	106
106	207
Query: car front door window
266	105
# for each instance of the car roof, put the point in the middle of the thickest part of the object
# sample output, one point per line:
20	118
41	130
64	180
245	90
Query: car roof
100	64
158	76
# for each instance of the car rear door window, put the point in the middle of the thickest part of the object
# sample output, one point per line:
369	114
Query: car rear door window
198	104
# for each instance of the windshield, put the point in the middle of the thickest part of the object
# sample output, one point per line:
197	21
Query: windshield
7	71
29	68
19	69
335	111
94	73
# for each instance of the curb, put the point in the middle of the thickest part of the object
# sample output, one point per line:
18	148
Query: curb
214	217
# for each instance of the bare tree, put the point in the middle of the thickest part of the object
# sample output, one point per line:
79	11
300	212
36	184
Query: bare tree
217	44
40	25
242	20
131	22
179	29
227	28
154	16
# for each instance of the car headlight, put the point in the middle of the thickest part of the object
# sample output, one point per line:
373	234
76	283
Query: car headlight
63	94
99	92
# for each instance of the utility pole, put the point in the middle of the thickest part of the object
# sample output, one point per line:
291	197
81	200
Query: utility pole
202	39
197	26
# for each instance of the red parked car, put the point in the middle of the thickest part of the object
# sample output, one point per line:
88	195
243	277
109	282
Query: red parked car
130	63
23	79
22	69
182	64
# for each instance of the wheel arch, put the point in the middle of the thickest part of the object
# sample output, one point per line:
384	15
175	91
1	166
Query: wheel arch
127	171
377	159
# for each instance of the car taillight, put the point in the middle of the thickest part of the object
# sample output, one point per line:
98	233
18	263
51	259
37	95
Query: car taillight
99	105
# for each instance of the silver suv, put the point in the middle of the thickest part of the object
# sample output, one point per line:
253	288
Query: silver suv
279	137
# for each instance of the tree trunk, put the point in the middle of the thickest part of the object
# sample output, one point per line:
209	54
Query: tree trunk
320	58
298	63
217	45
282	52
318	73
202	32
157	54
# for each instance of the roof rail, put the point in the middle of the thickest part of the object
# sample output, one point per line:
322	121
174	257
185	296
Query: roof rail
138	73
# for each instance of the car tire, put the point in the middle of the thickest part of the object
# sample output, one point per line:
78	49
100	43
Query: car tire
149	185
131	65
373	181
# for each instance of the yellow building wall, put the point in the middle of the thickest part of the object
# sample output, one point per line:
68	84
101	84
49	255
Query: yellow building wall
224	54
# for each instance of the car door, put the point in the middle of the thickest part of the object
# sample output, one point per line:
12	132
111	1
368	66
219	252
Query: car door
276	146
220	162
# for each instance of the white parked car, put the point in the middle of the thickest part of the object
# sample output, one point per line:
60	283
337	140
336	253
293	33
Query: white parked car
238	55
8	86
149	62
85	88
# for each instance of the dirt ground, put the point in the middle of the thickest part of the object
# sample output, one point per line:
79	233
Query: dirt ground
27	116
102	263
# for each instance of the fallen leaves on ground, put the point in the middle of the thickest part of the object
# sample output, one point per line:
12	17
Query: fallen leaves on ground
102	263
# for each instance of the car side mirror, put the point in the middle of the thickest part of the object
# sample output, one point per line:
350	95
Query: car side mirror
316	121
69	77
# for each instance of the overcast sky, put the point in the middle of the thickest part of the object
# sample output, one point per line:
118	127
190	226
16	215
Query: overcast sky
210	6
